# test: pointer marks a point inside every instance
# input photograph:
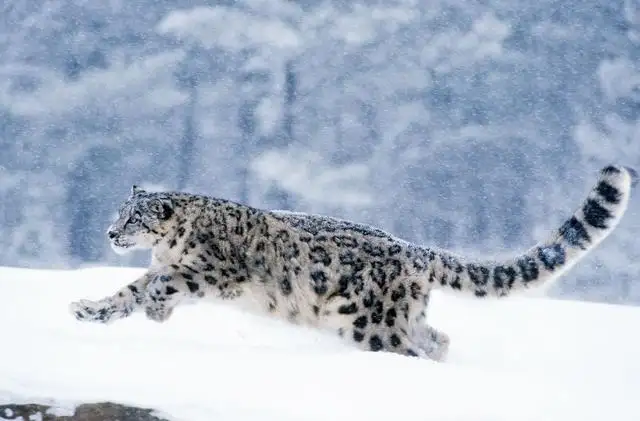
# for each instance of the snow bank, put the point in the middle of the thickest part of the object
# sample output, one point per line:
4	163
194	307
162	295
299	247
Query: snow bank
517	359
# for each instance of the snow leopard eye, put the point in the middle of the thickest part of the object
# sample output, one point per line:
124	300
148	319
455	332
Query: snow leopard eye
134	218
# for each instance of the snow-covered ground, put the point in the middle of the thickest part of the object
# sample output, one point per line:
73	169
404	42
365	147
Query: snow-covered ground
516	359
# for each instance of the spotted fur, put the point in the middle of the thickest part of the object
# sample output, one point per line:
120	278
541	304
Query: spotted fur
356	280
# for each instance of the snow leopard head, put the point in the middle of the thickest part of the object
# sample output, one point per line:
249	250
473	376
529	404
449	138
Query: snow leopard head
142	221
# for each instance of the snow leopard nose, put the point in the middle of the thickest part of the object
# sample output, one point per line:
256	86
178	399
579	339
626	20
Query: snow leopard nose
112	234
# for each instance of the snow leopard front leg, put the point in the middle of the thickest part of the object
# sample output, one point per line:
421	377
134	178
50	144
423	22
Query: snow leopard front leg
118	306
167	291
185	284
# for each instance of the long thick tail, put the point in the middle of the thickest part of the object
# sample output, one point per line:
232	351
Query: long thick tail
596	218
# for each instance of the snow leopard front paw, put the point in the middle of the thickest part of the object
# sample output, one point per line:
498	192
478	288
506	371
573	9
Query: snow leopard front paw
158	313
92	311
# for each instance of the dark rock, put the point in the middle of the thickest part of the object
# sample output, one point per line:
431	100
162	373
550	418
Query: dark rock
100	411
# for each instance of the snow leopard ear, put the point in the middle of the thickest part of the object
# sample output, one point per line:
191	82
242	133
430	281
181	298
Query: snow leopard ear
162	208
136	190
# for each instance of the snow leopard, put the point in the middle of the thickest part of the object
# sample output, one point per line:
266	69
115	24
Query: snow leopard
360	282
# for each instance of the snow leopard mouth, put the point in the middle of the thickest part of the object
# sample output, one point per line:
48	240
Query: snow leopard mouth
120	247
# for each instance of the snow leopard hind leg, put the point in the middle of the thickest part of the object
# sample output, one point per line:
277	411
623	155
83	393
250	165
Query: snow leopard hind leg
433	342
376	324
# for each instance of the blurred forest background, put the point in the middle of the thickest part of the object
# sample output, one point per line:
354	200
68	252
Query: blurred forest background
475	125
